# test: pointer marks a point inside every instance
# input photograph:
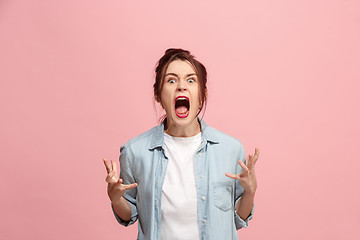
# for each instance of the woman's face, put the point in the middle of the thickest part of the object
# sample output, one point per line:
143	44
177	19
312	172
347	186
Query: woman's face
180	93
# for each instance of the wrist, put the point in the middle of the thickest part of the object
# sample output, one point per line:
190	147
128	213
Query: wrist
249	193
116	200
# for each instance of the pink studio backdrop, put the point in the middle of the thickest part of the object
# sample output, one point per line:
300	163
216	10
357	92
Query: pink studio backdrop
76	83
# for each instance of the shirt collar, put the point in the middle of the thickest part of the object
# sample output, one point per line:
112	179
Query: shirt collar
157	138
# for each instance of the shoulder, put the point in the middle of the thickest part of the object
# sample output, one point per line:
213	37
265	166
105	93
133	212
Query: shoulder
143	140
225	142
222	137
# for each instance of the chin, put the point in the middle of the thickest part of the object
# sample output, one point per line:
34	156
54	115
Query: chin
183	120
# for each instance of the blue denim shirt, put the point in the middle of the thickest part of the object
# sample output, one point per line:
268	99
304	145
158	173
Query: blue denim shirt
142	160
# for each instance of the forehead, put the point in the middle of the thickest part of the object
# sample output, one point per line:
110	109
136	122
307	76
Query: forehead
180	66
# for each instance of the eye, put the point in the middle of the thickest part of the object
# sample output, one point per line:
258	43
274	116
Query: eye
191	80
171	80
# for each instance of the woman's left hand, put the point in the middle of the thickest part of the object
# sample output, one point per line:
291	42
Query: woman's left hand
247	177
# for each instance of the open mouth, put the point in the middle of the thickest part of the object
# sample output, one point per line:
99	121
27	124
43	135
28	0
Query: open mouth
182	106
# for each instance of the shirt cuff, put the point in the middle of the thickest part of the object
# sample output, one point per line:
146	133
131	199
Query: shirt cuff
133	216
239	222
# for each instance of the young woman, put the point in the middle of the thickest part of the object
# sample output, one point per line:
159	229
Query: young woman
183	179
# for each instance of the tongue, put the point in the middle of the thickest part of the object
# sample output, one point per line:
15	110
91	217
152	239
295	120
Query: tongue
181	110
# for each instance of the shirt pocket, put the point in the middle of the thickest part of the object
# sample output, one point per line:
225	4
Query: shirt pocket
223	195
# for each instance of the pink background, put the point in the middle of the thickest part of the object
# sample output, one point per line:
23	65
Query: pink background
76	83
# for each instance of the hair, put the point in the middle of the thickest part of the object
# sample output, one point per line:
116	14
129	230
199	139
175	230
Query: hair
170	55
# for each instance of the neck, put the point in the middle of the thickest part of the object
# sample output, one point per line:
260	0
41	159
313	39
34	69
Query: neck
183	131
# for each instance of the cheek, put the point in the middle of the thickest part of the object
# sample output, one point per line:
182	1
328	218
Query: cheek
197	103
166	98
197	98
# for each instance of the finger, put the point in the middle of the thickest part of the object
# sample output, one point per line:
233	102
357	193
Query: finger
256	155
114	177
119	182
243	166
107	165
110	177
114	167
250	162
233	176
253	159
130	186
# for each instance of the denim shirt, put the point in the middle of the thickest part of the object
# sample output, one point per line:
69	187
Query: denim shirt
143	160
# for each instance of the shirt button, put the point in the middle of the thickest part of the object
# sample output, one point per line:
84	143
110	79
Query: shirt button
204	221
199	154
201	176
203	198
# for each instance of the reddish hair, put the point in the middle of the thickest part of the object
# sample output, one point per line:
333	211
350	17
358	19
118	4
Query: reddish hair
172	54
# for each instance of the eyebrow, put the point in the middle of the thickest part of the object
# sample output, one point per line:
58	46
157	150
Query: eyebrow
174	74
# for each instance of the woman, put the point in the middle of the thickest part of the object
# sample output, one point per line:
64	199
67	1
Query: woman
183	179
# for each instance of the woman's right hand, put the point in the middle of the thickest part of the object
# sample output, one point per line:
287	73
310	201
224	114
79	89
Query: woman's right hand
115	187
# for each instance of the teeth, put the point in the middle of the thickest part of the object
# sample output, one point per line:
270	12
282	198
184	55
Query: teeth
181	98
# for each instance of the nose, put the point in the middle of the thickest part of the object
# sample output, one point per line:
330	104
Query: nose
181	86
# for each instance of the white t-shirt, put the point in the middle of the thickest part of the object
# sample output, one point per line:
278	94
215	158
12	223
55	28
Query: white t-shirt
179	220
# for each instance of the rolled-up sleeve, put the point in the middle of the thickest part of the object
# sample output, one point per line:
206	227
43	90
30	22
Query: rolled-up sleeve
133	216
130	195
239	222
